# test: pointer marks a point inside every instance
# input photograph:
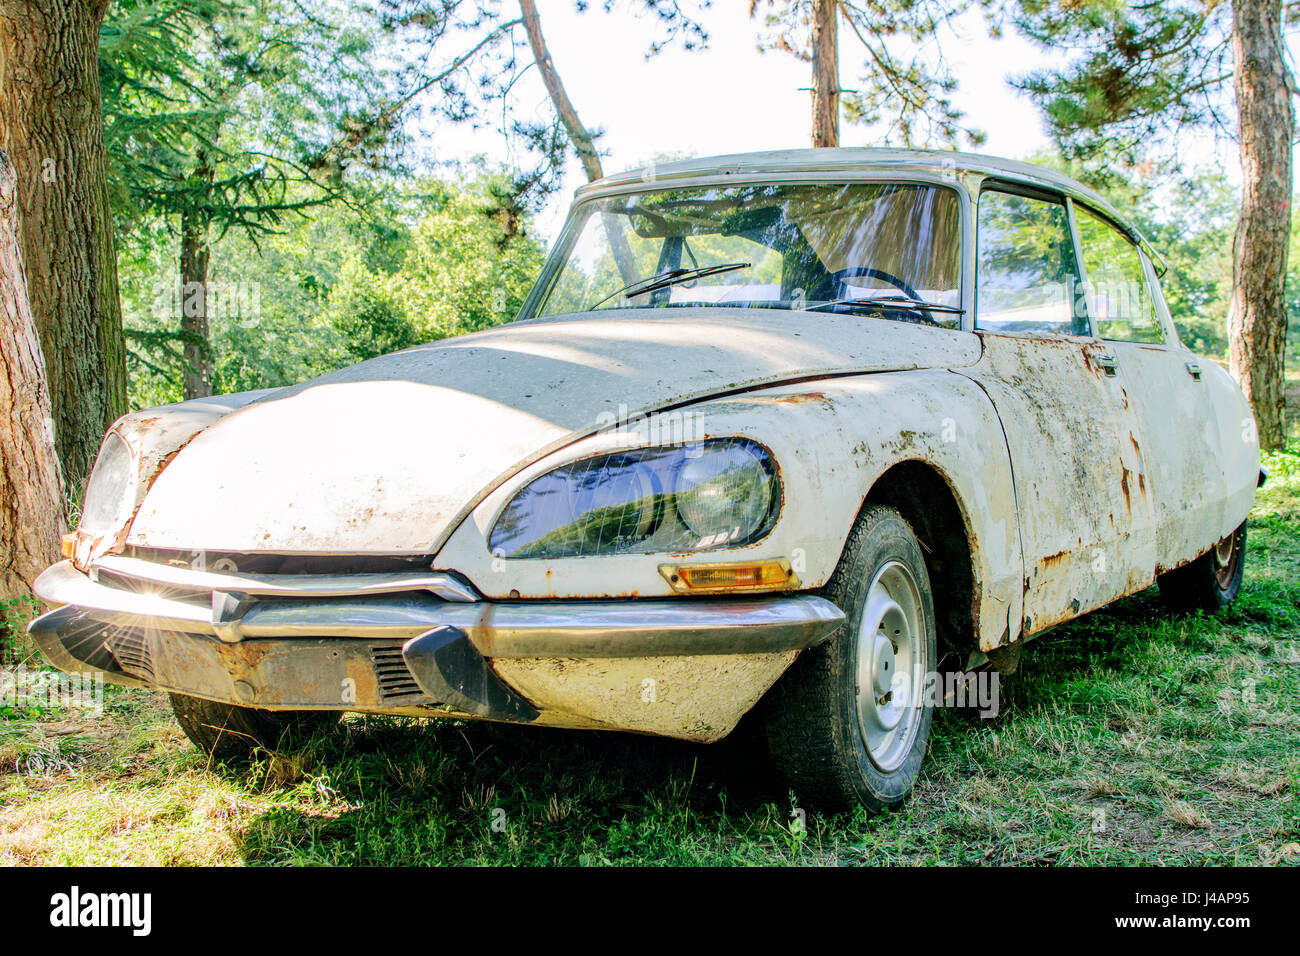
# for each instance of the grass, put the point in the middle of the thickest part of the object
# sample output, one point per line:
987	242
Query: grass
1129	736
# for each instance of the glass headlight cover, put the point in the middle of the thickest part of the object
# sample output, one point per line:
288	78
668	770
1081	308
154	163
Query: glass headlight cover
110	493
711	494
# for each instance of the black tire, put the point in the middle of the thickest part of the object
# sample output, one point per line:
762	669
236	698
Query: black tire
1210	582
816	734
231	732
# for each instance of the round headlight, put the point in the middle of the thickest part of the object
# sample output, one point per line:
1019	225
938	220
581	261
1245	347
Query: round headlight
110	493
725	492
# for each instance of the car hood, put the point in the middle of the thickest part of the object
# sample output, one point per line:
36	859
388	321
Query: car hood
389	455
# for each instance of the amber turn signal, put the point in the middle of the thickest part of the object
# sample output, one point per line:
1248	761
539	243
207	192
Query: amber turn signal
67	543
775	575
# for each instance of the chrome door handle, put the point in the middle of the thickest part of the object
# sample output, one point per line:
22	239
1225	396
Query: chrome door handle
1194	370
1107	364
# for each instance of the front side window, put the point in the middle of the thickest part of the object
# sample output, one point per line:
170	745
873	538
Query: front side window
1119	299
869	248
1026	276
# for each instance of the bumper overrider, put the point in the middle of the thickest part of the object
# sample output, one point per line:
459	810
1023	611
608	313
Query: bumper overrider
425	643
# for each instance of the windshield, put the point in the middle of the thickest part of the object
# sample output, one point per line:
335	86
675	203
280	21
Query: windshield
878	248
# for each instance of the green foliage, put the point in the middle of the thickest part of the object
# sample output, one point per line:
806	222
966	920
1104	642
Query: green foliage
1136	71
215	110
470	265
345	283
14	615
262	132
366	307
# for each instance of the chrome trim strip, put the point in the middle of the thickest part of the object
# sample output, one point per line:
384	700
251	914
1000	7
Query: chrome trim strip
62	584
662	627
445	586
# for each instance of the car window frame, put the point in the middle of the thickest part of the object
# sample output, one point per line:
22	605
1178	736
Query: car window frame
1165	317
1042	195
1159	309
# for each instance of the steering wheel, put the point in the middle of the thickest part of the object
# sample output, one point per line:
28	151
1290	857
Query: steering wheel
854	272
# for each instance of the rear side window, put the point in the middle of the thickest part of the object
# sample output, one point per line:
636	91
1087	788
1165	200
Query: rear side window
1026	274
1118	297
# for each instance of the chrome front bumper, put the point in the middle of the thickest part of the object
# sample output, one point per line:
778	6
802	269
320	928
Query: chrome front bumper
375	641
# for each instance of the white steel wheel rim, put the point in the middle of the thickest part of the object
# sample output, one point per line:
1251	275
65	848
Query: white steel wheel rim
892	653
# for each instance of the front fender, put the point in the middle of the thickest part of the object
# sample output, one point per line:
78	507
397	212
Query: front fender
832	439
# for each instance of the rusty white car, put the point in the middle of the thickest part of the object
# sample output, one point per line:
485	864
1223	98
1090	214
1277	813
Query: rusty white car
794	431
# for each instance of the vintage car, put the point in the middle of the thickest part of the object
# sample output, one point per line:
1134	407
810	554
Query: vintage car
796	431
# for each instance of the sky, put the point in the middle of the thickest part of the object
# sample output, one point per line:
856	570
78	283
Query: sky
732	98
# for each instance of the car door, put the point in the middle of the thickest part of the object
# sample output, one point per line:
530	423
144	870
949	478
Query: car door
1079	467
1168	389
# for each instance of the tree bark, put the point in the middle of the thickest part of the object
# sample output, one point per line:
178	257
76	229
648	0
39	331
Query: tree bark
1257	318
825	73
195	256
31	487
52	128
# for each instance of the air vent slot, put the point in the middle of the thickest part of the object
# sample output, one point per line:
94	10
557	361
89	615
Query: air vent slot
130	648
396	685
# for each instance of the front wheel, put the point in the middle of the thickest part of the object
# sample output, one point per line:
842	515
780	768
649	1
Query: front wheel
848	723
1211	581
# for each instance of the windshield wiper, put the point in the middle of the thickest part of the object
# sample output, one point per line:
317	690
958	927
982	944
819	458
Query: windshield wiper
670	277
895	301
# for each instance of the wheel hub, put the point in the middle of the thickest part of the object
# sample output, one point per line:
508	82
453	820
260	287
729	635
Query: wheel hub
891	665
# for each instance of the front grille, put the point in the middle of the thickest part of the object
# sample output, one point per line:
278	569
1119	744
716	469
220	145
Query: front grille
396	685
271	563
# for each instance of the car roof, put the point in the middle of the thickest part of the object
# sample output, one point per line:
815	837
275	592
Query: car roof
796	161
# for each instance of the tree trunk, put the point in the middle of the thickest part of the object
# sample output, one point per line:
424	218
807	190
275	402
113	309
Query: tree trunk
579	135
195	255
194	311
31	488
1257	319
52	128
825	73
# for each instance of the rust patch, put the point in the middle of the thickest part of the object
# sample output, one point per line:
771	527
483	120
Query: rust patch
364	680
245	654
1054	559
517	595
801	398
1123	486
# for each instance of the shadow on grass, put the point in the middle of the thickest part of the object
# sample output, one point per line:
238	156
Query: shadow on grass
393	791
